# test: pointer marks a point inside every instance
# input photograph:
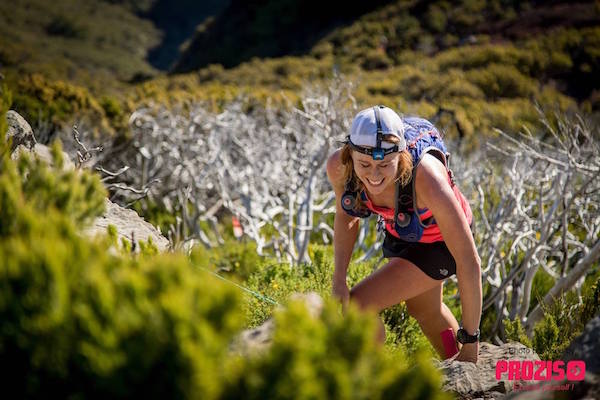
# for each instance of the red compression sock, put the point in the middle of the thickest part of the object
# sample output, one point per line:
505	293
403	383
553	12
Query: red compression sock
449	341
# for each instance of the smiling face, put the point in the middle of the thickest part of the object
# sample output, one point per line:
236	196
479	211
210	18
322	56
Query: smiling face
377	176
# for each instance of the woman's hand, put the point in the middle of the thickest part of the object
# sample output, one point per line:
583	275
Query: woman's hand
468	352
340	291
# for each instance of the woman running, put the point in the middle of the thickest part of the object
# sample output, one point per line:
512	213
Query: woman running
397	168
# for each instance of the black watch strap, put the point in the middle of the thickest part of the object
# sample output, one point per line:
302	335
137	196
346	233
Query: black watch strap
463	337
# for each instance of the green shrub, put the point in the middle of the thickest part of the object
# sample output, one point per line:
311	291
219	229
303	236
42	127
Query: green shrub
78	321
404	335
234	259
516	332
111	106
329	358
550	338
591	303
502	81
436	18
564	319
454	85
480	56
80	195
279	280
5	103
40	99
542	283
375	59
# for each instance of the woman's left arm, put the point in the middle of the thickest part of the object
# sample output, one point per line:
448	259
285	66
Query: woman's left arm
434	192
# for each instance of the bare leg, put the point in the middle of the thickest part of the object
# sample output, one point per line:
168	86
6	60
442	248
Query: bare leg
396	281
433	316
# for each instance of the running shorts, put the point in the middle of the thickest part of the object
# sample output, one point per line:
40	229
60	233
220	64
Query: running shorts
432	258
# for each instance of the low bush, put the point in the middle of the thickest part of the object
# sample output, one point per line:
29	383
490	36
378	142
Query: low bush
498	80
237	260
39	99
80	321
329	358
563	321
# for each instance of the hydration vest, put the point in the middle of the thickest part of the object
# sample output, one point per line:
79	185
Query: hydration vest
408	222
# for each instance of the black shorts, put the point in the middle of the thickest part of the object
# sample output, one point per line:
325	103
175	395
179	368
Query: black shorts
432	258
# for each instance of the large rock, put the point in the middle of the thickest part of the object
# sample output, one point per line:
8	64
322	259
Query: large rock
23	141
474	381
586	347
19	130
128	224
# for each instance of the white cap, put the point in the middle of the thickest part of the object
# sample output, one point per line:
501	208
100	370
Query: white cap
364	128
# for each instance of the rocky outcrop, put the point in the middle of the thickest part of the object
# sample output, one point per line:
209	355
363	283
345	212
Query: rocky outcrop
19	130
475	381
587	347
128	223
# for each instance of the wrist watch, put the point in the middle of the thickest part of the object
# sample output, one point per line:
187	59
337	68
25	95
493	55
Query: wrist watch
463	337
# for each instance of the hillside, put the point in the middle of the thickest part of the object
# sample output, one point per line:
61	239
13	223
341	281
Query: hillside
267	28
94	42
381	39
177	20
69	60
471	66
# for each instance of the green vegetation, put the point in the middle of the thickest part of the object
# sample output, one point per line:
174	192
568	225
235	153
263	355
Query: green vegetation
60	58
309	359
90	43
5	103
232	259
563	321
280	280
57	101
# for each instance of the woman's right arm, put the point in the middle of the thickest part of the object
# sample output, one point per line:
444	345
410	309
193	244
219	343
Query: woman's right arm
345	230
